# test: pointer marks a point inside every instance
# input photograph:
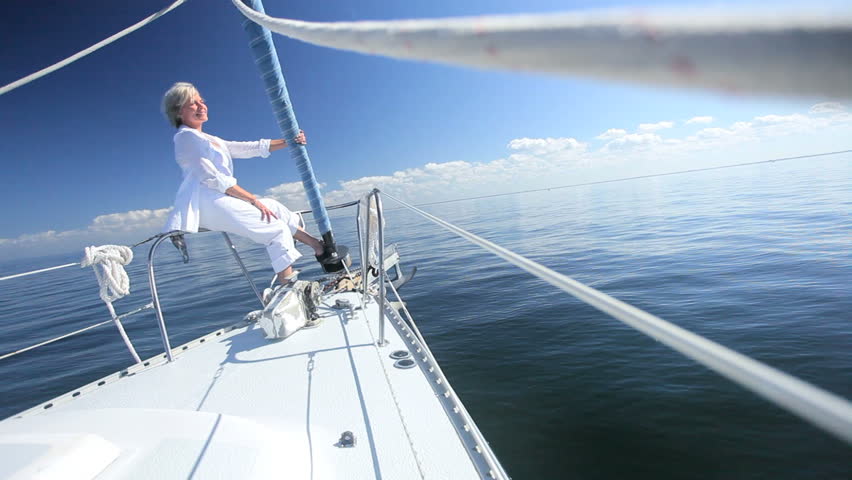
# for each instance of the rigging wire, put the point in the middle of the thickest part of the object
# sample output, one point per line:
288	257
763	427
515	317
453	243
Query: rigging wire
638	177
82	53
824	409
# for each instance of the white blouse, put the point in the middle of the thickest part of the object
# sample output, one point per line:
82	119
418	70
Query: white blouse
206	162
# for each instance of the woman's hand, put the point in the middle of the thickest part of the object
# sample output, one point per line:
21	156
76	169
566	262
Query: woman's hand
265	213
300	138
281	143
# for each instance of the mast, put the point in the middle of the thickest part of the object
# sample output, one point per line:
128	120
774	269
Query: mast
266	59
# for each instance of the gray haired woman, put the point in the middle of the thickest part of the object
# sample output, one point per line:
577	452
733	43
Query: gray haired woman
209	196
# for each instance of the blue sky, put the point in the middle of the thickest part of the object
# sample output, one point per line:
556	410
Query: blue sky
88	157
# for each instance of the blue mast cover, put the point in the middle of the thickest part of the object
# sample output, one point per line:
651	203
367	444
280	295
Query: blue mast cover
266	59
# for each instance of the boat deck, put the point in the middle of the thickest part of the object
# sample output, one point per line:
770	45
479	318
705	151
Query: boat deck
284	402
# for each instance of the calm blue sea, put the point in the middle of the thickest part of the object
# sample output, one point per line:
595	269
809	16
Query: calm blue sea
756	258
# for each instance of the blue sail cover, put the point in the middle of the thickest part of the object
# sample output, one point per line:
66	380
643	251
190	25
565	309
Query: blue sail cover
266	59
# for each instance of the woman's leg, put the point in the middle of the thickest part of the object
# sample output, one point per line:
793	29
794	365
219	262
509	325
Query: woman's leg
286	275
311	241
292	220
228	214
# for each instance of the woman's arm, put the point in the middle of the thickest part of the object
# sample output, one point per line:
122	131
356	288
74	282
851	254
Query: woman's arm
277	144
239	192
281	143
260	148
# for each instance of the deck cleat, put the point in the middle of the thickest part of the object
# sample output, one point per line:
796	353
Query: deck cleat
347	440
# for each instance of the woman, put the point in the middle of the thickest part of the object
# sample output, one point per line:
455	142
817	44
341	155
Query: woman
209	196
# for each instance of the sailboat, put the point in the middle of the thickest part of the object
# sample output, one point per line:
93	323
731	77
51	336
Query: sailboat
358	393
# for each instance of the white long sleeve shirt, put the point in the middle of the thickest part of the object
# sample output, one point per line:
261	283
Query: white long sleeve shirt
206	162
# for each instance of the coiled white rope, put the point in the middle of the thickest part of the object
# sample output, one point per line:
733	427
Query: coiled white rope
82	53
779	52
108	262
111	275
820	407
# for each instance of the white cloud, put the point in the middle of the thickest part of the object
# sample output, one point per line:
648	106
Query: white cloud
704	119
611	134
653	127
737	129
130	221
531	158
291	194
632	140
117	228
540	146
827	107
795	118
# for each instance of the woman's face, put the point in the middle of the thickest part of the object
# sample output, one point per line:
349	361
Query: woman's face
194	112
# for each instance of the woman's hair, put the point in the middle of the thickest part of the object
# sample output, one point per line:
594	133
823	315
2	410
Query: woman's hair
175	98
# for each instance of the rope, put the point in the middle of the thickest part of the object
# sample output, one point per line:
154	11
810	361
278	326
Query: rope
83	53
108	263
111	275
788	53
824	409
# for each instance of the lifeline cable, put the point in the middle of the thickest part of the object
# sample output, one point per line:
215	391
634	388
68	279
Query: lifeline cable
75	332
82	53
9	277
24	274
784	52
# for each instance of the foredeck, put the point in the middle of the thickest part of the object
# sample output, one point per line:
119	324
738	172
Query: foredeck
304	391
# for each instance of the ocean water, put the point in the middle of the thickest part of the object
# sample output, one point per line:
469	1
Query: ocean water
756	258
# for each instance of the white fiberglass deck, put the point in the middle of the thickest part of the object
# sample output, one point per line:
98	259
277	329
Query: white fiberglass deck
239	406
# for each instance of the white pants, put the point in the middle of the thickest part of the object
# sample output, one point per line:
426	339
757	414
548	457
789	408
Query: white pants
228	214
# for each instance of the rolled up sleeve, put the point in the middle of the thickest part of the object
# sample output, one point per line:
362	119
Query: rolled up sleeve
190	151
259	148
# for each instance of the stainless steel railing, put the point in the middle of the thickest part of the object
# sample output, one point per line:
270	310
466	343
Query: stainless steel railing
152	282
364	247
